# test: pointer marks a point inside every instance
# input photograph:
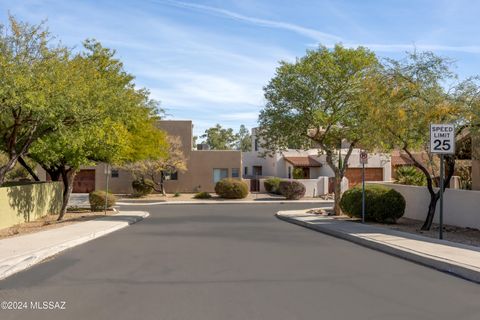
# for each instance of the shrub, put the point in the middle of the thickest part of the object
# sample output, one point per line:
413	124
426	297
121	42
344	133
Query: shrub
272	185
176	194
231	189
202	195
410	175
382	204
142	187
97	200
298	173
291	189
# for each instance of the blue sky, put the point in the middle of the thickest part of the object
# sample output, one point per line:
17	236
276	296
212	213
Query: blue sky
208	60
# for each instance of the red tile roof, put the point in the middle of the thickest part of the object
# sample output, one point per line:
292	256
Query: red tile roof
303	162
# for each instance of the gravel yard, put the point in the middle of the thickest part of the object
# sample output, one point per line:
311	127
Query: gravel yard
467	236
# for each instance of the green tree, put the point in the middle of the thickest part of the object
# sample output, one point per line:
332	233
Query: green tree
218	138
35	82
122	129
156	169
319	101
410	96
243	139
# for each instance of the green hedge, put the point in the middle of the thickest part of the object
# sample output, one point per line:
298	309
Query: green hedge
382	204
272	185
291	189
97	200
231	188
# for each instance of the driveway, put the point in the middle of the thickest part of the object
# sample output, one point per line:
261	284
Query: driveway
234	262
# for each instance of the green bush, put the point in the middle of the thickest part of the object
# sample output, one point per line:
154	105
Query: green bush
291	189
97	200
410	175
176	194
272	185
202	195
231	188
382	204
142	187
298	173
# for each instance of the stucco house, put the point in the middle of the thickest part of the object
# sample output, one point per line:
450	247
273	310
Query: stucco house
204	167
312	164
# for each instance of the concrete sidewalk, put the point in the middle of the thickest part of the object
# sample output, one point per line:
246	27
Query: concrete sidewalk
21	252
458	259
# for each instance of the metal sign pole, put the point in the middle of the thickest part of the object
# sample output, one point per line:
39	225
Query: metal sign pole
363	192
440	231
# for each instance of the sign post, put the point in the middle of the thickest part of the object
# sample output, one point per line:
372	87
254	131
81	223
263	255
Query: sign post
363	161
442	142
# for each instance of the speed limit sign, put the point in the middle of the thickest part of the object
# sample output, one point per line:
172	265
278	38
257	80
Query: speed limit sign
442	138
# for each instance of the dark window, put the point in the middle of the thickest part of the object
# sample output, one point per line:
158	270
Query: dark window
171	176
245	171
115	173
256	144
257	170
235	173
289	172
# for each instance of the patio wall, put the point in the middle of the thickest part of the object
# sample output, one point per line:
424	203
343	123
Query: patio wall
314	187
461	207
29	202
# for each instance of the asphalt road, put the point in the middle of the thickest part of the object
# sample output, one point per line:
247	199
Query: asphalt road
234	262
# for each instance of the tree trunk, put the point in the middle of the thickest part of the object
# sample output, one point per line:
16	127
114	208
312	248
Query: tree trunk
338	195
28	168
431	211
435	196
68	175
162	184
7	167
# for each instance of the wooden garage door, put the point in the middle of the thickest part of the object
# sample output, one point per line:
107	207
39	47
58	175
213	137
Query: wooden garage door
354	175
84	181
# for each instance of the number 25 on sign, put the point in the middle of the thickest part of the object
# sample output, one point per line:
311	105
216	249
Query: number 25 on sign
442	138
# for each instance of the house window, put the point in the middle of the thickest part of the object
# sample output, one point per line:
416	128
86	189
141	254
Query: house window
174	175
171	176
289	172
219	174
235	173
245	171
257	170
256	144
114	173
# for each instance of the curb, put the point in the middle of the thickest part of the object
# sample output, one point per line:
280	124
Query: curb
433	262
224	202
24	261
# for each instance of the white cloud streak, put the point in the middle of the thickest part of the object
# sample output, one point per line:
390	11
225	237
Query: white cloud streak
307	32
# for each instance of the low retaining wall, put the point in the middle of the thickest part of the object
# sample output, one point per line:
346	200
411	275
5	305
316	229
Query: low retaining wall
461	207
313	187
29	202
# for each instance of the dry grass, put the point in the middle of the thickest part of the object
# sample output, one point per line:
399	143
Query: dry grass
50	222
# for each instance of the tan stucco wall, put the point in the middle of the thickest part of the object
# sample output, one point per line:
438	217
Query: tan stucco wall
179	128
29	202
199	175
200	165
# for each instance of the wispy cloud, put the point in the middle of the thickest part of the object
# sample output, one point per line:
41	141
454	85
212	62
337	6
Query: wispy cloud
307	32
